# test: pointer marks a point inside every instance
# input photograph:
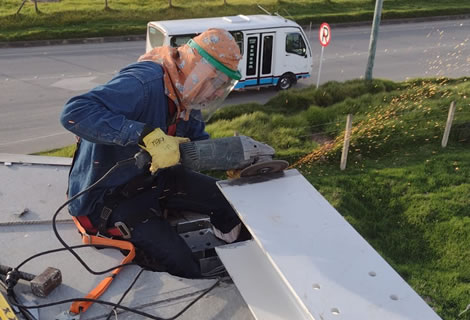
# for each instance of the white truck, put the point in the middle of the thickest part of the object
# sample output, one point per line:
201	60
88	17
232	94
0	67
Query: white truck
275	50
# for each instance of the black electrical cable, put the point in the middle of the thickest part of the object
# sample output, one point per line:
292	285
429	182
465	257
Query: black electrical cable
194	301
126	292
54	226
12	296
116	305
75	247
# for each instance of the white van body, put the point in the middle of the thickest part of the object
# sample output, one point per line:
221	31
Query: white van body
275	50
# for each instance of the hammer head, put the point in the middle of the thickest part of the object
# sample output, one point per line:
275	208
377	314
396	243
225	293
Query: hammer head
47	281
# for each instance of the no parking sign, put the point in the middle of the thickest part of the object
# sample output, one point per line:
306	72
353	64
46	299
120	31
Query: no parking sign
324	35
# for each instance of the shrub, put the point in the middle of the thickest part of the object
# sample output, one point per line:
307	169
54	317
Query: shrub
231	112
290	101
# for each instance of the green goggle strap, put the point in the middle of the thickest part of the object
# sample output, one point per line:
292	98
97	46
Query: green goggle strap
219	66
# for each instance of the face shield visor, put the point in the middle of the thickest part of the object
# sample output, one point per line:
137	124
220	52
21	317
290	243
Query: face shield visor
209	84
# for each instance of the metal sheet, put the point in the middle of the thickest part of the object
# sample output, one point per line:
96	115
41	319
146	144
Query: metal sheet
156	293
8	158
41	188
31	192
333	272
266	294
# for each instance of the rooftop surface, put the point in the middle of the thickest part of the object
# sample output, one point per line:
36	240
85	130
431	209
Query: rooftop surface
29	196
305	260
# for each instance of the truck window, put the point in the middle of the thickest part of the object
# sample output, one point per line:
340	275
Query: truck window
155	37
179	40
267	54
295	44
238	36
252	54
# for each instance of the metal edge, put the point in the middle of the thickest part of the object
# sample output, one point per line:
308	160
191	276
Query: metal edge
248	258
8	158
268	258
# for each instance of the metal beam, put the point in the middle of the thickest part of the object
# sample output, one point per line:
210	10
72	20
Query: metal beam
264	291
332	272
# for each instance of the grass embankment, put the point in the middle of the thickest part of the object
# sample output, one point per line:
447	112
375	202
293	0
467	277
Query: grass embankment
403	192
84	18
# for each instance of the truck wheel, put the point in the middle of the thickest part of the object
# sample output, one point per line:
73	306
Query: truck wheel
286	81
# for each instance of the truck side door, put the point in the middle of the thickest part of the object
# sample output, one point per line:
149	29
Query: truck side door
296	56
259	59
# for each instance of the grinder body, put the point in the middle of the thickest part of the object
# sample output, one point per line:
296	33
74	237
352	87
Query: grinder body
231	153
228	153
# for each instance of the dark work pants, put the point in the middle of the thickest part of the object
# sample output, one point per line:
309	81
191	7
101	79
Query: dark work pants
184	190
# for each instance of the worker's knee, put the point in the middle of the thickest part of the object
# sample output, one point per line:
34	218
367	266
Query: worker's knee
160	242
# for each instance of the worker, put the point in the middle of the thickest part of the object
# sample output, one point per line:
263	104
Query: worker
154	104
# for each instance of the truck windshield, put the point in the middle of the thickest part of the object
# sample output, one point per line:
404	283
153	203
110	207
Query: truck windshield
155	37
181	39
295	44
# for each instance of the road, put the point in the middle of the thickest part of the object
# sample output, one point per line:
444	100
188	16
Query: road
35	82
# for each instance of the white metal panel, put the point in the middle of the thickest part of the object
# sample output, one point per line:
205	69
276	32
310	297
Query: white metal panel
31	191
265	293
8	158
41	189
156	293
326	264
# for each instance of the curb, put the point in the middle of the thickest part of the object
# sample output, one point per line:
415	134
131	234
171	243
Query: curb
37	43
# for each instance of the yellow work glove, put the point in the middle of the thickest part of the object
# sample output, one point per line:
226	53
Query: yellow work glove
233	174
164	149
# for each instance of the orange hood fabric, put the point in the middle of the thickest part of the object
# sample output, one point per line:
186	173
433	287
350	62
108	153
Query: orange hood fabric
184	63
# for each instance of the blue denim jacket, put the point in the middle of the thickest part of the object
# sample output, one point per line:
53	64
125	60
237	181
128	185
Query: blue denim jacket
109	121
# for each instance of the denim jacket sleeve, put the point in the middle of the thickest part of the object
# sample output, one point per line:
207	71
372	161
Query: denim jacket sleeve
108	114
193	128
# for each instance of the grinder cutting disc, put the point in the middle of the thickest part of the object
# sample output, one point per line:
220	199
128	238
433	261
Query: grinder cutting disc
264	168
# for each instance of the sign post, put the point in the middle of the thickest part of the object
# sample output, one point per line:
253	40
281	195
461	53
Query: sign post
324	35
373	39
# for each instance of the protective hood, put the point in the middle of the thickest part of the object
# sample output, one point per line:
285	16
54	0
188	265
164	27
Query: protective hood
201	73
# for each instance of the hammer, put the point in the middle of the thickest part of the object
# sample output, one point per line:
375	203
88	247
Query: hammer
42	284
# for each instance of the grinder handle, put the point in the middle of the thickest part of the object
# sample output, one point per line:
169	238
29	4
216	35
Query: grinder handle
142	159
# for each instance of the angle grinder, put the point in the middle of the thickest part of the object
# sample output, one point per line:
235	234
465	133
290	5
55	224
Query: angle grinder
231	153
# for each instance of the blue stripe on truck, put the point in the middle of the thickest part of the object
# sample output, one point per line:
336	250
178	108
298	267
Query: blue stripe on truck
265	81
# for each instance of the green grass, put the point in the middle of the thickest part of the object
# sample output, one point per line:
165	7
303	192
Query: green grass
67	151
414	210
84	18
404	193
